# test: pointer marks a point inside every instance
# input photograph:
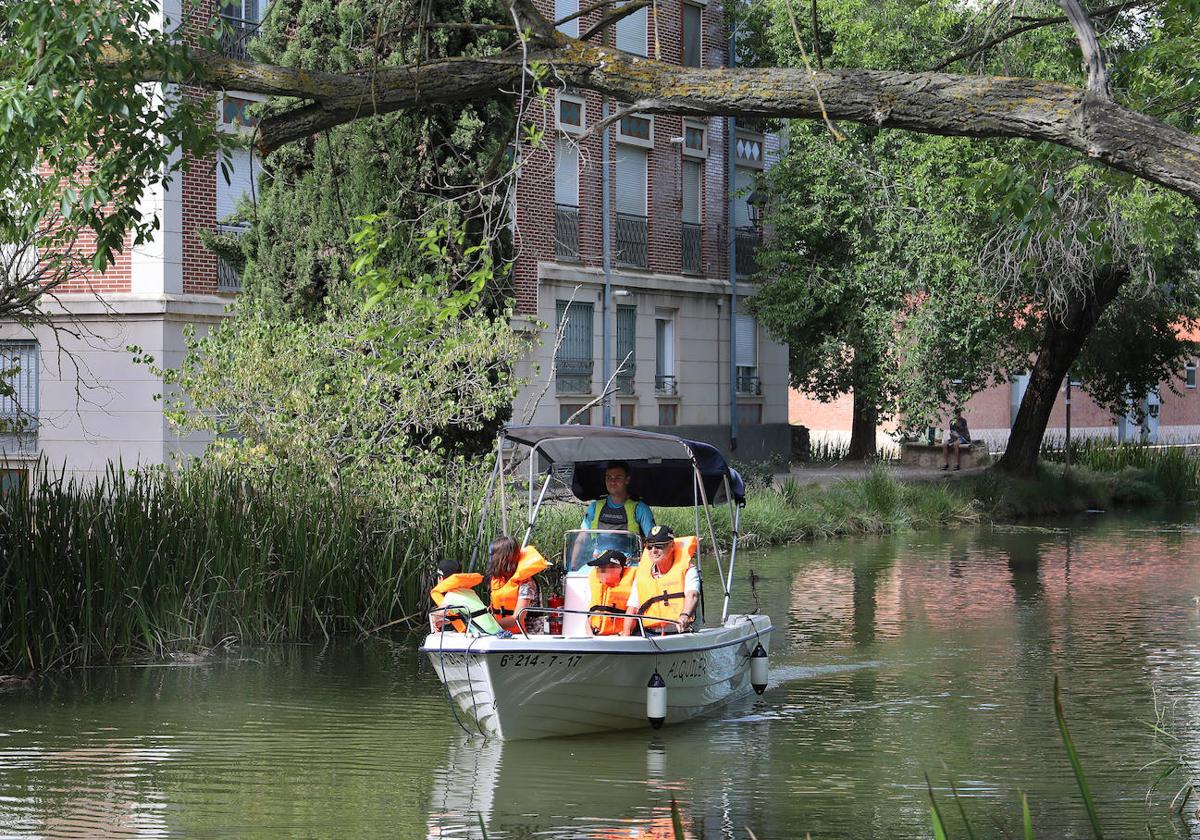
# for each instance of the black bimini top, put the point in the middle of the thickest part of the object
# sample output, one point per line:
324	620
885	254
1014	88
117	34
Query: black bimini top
661	466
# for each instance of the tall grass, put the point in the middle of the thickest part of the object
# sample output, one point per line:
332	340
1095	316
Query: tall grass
150	562
1173	470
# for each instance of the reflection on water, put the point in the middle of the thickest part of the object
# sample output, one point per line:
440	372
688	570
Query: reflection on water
893	658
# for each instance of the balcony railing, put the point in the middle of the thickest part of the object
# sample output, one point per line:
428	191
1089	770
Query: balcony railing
624	383
749	385
665	385
236	33
229	278
691	248
566	232
573	376
633	240
747	240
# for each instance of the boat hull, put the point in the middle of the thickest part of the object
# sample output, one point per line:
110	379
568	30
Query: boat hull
544	686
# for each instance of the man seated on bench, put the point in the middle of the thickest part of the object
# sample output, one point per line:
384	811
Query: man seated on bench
958	437
666	589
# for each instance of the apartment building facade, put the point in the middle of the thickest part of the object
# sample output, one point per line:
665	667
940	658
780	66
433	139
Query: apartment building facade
647	301
84	396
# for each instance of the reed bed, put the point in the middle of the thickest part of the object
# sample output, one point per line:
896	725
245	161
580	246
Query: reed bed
1173	470
150	562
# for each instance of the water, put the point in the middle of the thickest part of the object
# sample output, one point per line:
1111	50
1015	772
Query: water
892	659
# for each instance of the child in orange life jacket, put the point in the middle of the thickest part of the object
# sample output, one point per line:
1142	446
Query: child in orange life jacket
511	571
455	589
666	588
610	581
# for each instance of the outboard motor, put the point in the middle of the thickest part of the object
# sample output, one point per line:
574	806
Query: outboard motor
656	700
758	669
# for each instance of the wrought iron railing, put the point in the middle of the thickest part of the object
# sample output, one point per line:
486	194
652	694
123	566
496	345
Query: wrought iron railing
749	385
690	242
633	240
566	232
229	277
665	385
236	33
746	241
624	381
573	376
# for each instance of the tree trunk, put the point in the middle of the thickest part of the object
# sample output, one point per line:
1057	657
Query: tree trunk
862	428
1057	351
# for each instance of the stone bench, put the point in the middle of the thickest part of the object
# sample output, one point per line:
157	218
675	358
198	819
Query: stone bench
930	455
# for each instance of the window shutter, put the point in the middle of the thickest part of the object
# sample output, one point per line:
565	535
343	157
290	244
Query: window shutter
626	335
244	170
664	340
631	32
691	192
631	180
747	341
566	172
562	8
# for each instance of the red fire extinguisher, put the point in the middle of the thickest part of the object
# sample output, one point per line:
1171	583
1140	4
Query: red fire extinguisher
555	602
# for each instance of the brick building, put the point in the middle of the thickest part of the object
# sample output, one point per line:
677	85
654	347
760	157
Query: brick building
1170	417
662	311
82	400
667	306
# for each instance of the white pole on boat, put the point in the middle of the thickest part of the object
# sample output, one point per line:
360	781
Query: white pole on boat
533	509
503	495
712	533
735	516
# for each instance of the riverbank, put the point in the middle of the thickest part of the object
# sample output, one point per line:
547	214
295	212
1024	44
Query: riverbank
149	564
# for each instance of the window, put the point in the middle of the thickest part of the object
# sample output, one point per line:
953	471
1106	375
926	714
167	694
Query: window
631	32
626	344
13	480
628	414
568	410
636	130
243	168
631	180
664	354
695	140
239	24
18	397
566	172
693	17
746	335
562	8
749	151
1189	374
573	362
691	192
668	414
743	185
572	113
235	114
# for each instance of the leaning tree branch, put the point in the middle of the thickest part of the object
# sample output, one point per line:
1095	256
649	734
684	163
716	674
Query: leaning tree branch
930	103
1089	44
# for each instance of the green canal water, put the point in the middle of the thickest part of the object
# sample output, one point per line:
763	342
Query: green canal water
930	654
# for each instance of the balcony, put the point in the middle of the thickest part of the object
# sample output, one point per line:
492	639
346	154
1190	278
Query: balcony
229	277
573	376
236	33
749	386
746	241
566	232
623	383
665	385
633	240
692	253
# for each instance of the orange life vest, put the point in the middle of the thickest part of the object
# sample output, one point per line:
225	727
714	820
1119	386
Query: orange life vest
662	596
504	592
462	580
604	597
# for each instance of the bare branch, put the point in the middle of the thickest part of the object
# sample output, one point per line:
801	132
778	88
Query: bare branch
1089	44
614	15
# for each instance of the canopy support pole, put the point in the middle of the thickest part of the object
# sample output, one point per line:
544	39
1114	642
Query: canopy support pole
487	504
533	509
712	533
502	494
735	511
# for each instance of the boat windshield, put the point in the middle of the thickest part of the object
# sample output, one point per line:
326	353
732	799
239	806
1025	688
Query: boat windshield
581	546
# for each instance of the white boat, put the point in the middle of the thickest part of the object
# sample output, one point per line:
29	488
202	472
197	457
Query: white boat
535	686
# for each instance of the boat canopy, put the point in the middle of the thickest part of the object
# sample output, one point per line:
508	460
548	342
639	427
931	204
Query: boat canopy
662	467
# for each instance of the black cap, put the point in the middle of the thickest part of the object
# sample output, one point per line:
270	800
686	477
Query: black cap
660	534
448	567
611	557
